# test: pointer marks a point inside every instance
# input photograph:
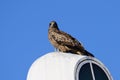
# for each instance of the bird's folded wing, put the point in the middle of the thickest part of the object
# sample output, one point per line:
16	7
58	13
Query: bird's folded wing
63	38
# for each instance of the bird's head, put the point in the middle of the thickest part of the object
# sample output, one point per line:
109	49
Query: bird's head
53	25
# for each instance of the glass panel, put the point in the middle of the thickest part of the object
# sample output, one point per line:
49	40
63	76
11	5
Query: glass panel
99	73
85	72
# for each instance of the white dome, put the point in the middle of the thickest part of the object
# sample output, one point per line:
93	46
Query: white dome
56	66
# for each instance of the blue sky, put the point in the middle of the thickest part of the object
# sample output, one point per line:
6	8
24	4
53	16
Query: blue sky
24	27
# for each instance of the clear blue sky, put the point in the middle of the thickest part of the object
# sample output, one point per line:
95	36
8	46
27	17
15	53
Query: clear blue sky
24	27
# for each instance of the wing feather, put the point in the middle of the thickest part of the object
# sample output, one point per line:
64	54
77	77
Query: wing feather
65	39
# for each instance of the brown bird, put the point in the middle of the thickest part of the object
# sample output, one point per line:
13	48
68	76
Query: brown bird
65	42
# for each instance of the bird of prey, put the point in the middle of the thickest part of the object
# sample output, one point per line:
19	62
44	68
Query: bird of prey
65	42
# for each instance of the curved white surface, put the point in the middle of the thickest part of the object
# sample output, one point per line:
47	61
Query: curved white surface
54	66
59	66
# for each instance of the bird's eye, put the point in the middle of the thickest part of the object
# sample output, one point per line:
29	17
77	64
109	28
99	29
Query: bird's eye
50	24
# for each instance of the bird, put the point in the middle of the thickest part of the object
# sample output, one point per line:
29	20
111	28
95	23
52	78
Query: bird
64	42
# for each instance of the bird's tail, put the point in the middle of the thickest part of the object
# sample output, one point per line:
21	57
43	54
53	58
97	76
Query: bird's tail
88	53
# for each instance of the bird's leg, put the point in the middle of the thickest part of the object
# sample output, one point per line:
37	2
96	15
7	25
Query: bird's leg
56	50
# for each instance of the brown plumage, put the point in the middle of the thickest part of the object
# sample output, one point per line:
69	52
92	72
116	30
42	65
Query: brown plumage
65	42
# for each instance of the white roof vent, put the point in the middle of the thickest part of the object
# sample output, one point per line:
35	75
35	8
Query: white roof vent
65	66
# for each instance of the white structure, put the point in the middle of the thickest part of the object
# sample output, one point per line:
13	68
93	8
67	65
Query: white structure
65	66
